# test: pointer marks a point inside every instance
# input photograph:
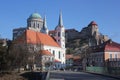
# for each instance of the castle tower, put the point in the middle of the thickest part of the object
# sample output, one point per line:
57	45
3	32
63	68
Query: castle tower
44	28
35	22
60	32
94	33
93	28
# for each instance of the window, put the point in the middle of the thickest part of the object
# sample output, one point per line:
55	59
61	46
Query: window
110	56
34	25
59	54
49	58
38	25
52	59
63	45
58	40
115	55
58	34
53	53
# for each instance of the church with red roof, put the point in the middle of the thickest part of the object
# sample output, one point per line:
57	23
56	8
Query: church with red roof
36	36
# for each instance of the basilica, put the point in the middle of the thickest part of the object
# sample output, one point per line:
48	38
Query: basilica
39	41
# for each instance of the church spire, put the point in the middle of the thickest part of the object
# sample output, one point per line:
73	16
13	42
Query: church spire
44	29
44	23
60	23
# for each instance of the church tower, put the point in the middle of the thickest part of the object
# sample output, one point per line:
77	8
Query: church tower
60	32
44	28
35	22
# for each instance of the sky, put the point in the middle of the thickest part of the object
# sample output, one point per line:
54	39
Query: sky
76	14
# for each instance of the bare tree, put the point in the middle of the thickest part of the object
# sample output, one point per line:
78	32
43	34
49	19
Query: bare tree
18	55
3	57
85	56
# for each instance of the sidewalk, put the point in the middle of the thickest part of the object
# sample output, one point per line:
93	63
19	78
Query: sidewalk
107	75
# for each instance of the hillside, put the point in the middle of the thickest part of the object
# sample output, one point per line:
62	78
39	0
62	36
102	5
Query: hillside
88	36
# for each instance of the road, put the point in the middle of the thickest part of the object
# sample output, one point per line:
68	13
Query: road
69	75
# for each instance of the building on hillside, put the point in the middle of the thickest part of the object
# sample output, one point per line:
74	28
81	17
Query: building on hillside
5	42
69	61
104	55
73	62
17	32
39	41
91	32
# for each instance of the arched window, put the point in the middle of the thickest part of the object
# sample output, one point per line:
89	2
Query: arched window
58	34
53	53
59	54
38	25
34	25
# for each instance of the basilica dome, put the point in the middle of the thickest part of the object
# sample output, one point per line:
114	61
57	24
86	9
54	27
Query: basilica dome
35	15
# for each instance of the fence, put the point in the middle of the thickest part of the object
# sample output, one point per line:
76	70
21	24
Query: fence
104	70
96	69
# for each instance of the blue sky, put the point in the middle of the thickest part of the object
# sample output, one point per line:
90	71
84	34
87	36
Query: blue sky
76	14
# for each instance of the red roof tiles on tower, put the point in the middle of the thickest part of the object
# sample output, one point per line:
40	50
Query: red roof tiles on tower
92	23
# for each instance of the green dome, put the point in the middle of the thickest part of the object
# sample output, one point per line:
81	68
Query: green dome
35	15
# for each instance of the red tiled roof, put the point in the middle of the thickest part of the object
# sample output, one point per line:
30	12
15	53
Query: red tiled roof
112	46
68	56
56	60
76	57
45	52
107	46
40	38
93	23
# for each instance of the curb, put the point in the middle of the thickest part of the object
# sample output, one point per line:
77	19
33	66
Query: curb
104	75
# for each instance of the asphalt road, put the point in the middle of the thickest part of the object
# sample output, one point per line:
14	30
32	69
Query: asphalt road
69	75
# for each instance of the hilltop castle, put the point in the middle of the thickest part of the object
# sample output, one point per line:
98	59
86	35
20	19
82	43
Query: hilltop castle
90	33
